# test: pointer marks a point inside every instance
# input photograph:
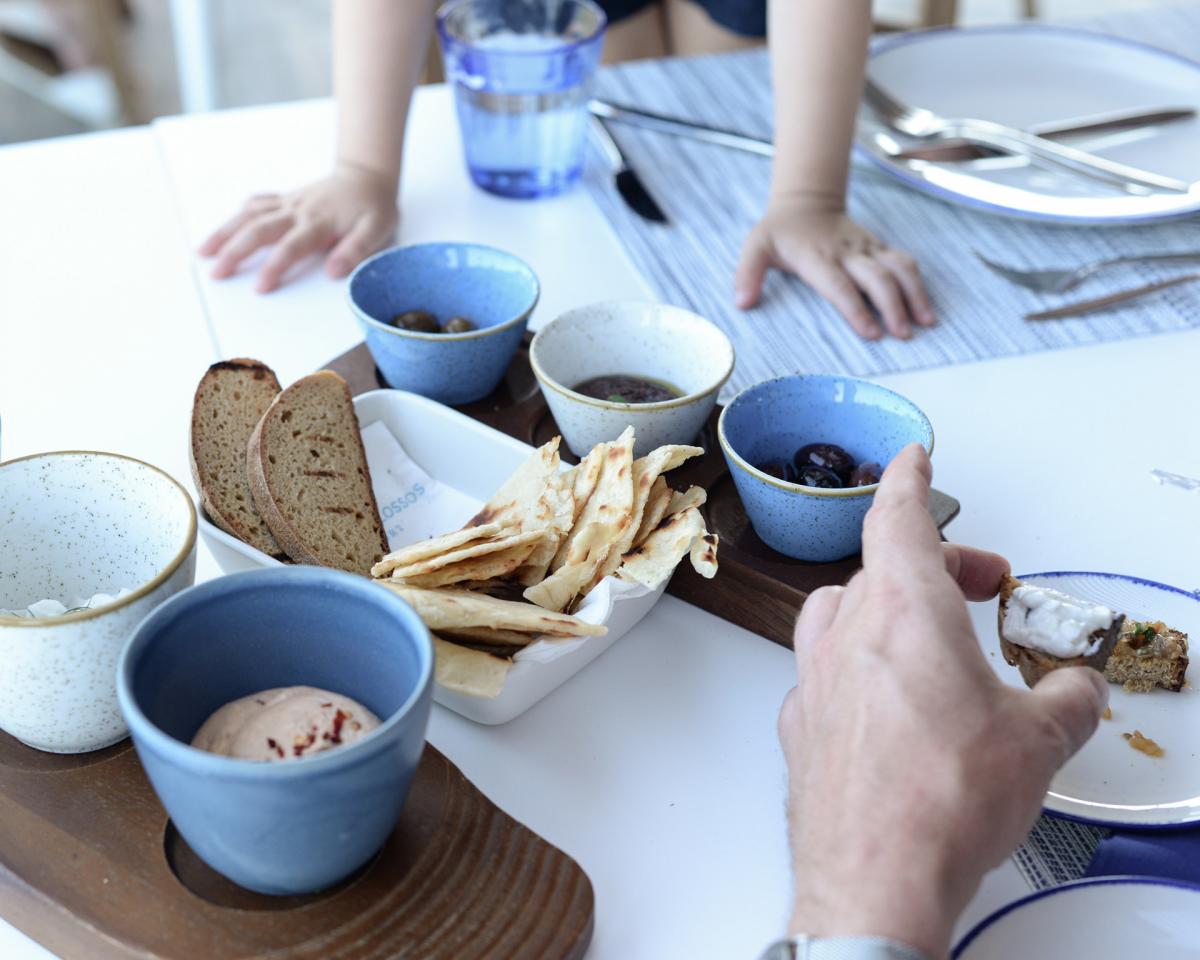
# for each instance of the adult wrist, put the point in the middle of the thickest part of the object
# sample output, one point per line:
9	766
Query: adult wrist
911	902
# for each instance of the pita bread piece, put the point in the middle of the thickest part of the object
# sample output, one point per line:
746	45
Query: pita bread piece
434	547
509	540
692	497
557	510
704	555
608	513
656	559
514	504
492	566
647	471
583	478
472	673
489	637
452	609
656	509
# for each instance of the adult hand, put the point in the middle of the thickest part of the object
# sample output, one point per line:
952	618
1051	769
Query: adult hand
912	768
352	210
842	261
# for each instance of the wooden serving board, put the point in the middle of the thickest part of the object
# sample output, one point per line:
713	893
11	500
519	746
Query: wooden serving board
91	868
756	587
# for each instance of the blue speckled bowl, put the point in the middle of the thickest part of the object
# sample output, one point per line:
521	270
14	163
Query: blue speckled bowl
301	825
772	420
493	289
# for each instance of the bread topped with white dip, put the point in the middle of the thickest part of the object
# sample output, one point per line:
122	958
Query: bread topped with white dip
1042	630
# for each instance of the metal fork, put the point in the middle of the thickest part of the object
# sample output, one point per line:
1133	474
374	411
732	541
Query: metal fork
1060	281
925	124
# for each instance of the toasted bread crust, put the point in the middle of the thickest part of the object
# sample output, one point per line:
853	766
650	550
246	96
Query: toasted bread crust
223	514
268	498
1035	664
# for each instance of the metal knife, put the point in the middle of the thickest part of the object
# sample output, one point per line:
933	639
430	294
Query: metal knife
1101	303
648	120
636	117
946	151
629	184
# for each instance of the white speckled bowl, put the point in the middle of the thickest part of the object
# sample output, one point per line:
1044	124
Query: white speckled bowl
73	524
636	339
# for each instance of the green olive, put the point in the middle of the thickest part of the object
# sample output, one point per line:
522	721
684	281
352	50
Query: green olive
420	321
458	325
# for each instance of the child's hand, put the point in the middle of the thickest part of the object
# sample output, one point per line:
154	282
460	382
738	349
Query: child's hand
352	210
841	260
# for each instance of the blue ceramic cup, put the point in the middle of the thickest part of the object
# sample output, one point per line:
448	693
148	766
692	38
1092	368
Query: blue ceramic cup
773	419
301	825
493	289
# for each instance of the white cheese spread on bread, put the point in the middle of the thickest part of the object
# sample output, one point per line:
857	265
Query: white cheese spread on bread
1057	624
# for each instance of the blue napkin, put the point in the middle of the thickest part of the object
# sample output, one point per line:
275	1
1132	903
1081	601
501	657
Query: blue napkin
1173	854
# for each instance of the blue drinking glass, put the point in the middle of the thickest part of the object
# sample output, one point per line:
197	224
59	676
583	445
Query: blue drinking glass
522	72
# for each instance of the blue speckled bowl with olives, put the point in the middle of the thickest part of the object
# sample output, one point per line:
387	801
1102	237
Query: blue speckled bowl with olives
798	492
405	297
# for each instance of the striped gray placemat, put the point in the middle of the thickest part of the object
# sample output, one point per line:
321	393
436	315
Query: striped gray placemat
714	195
1057	851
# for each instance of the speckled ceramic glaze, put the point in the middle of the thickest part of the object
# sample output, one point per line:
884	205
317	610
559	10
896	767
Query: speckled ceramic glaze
301	825
494	290
73	525
771	420
636	339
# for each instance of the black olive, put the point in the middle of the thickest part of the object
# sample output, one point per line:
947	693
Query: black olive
865	474
778	469
811	475
419	321
827	455
458	325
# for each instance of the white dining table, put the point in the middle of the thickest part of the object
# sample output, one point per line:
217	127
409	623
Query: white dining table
657	768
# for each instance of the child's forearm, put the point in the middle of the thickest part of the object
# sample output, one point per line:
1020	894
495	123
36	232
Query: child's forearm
818	55
379	48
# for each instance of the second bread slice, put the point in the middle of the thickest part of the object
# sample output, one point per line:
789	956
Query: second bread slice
309	477
230	401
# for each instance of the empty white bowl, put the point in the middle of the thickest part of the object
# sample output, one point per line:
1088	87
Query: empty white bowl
72	525
650	340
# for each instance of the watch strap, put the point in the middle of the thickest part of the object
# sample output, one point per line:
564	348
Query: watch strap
803	947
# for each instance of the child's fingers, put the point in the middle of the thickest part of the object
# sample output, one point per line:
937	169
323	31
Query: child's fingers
257	233
881	287
219	237
827	277
904	268
255	206
751	269
299	243
367	235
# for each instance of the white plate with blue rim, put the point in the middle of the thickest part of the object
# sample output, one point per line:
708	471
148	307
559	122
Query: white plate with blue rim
1024	75
1110	918
1108	782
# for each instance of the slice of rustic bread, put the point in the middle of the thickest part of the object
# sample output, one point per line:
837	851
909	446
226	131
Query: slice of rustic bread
1035	664
309	477
230	400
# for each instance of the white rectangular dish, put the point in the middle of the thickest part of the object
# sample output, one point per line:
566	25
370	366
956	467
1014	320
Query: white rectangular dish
472	460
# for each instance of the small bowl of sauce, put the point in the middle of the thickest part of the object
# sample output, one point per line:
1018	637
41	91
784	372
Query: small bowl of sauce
608	366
